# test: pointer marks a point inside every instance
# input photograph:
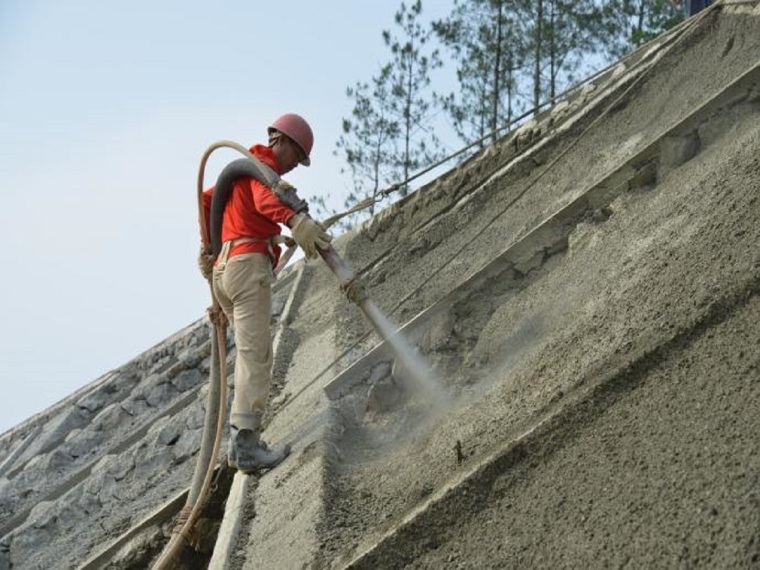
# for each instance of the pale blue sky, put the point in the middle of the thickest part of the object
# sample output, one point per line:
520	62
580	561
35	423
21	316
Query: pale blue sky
105	110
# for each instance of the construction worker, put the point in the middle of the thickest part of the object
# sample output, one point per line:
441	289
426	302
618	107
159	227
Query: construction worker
242	277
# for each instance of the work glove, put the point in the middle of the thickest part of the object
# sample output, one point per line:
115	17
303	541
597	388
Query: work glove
310	235
206	262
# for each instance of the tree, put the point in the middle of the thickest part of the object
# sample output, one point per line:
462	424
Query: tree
631	23
486	40
410	101
367	141
564	35
387	135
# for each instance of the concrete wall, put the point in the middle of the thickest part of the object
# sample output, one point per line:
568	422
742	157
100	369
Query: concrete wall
585	292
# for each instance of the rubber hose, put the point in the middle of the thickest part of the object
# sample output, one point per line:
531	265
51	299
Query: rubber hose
209	425
243	168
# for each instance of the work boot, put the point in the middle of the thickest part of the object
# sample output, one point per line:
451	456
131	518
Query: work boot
248	453
232	449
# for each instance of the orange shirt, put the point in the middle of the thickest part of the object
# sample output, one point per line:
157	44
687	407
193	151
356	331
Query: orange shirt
253	210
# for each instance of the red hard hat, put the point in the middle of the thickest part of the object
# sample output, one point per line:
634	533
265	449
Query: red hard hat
296	128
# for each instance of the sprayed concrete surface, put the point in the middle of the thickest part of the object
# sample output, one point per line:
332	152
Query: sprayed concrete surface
657	461
532	342
585	296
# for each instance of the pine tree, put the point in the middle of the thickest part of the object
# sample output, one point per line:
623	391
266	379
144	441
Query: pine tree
564	35
486	40
388	135
410	100
367	142
631	23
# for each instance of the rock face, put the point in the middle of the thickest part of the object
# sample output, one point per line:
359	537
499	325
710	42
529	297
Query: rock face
580	376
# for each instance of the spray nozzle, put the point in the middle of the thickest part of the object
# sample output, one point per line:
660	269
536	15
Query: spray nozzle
354	290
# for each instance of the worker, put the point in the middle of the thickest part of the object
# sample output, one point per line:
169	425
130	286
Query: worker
242	277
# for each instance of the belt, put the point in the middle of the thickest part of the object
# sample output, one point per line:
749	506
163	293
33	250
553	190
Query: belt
229	244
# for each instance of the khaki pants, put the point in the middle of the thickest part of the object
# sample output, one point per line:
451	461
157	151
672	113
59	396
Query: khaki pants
243	287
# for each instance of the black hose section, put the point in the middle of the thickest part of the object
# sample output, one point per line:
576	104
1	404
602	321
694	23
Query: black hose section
244	168
221	196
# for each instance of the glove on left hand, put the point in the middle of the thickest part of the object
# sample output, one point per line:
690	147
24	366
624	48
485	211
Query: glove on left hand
206	263
310	235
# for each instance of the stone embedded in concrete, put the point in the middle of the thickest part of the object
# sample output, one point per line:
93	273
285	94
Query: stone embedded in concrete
677	150
125	380
5	499
55	431
160	364
187	445
169	433
110	418
148	383
82	443
42	514
135	406
5	556
195	417
56	460
384	395
96	399
187	379
160	395
29	545
137	552
150	461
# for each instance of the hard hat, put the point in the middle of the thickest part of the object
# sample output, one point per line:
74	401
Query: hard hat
298	130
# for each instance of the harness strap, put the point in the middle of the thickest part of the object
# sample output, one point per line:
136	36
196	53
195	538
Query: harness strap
229	244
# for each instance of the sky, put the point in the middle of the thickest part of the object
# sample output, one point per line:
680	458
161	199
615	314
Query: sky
105	110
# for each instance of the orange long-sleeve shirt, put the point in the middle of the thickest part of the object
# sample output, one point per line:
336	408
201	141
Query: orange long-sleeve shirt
253	210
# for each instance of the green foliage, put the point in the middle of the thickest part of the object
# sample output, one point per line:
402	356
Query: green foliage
487	41
631	23
387	135
410	101
367	141
510	56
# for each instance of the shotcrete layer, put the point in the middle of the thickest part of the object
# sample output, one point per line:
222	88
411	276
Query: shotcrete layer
585	288
658	465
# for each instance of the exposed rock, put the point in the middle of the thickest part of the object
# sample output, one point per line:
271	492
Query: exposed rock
160	395
135	406
187	379
187	445
5	556
82	443
55	431
96	399
112	417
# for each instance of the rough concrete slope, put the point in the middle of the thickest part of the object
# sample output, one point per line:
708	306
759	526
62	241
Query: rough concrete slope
586	293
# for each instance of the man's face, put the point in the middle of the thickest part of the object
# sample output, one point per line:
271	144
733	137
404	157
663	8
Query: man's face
291	155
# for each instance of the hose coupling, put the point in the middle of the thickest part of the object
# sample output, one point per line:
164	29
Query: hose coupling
354	290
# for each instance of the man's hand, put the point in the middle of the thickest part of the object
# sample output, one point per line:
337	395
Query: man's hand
310	235
206	263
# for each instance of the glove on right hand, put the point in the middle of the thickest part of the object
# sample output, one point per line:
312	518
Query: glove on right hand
310	235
